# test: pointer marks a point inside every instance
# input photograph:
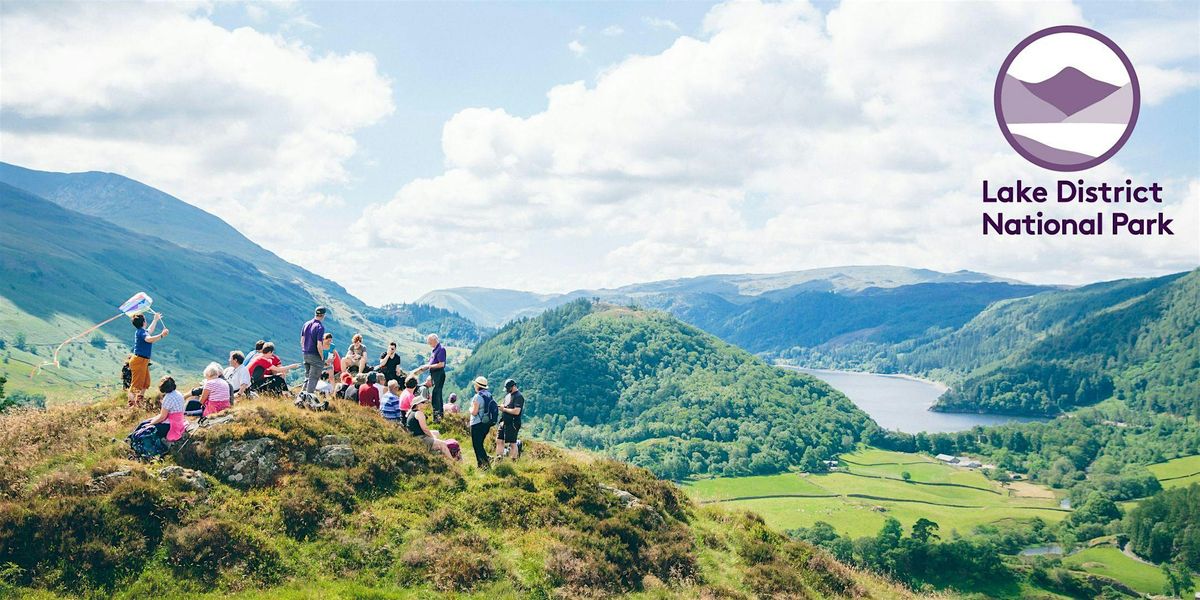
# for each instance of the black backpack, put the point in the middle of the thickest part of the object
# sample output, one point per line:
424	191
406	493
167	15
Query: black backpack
489	412
144	443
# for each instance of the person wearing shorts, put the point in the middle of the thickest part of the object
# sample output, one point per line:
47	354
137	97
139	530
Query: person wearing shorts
510	421
419	428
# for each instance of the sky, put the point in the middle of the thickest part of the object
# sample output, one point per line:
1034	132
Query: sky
403	147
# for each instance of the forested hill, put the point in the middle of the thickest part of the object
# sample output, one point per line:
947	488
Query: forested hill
1137	340
647	388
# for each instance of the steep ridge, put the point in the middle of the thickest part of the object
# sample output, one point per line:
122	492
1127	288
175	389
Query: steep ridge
1137	340
643	386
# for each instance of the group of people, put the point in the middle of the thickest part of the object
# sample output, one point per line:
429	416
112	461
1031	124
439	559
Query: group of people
400	397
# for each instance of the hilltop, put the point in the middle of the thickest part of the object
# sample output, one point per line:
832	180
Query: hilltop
645	387
283	503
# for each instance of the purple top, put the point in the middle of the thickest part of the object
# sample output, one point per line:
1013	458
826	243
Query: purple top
312	333
438	356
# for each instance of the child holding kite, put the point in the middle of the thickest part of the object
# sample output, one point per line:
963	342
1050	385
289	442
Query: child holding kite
139	364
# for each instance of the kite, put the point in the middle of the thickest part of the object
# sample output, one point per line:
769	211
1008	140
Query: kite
138	304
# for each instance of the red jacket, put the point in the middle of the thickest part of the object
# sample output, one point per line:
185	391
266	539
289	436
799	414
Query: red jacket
368	395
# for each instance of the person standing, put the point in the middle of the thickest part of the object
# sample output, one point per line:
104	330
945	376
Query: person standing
437	372
510	421
139	364
483	413
312	338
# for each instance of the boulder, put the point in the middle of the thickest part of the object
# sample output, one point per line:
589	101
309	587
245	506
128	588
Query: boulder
248	463
632	502
191	478
106	483
336	455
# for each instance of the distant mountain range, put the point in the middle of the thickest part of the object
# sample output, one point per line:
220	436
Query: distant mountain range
76	245
493	307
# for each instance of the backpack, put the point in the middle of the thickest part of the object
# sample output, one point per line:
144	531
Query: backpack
126	375
489	411
144	443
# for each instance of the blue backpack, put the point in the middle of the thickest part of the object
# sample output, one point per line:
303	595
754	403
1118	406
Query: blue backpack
144	443
489	410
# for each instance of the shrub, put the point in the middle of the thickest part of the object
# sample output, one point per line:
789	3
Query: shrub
302	511
451	564
212	548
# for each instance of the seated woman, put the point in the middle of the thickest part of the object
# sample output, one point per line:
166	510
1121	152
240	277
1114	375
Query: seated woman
267	372
356	354
215	396
169	423
419	428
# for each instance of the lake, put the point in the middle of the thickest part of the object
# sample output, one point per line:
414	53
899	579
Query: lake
898	402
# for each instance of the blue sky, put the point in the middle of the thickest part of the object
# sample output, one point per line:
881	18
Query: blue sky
554	146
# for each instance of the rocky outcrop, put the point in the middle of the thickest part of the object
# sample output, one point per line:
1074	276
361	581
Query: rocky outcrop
630	501
105	483
190	478
248	463
336	455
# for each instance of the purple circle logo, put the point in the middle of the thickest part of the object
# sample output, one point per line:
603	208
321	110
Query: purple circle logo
1067	98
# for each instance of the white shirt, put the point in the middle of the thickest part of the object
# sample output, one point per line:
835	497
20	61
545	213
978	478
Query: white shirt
323	387
237	377
382	390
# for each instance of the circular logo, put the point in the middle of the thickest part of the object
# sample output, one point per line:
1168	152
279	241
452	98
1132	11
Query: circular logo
1067	98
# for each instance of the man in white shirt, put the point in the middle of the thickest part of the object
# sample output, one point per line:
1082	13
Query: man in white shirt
237	374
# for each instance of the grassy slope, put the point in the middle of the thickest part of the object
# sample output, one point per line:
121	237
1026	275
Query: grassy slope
646	387
859	516
1179	472
1111	562
545	526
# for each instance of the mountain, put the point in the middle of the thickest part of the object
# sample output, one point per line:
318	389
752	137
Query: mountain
493	307
1022	106
1071	90
1115	108
135	206
643	386
64	270
1137	340
277	502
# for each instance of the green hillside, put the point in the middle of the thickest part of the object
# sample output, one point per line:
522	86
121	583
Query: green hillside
284	503
1137	340
645	387
63	270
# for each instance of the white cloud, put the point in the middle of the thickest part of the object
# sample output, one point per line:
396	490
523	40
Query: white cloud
613	30
659	23
576	47
784	138
246	124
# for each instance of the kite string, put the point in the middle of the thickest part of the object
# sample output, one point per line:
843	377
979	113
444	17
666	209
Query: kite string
54	361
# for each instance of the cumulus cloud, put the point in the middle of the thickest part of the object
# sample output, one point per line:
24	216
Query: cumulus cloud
660	23
576	47
782	138
246	124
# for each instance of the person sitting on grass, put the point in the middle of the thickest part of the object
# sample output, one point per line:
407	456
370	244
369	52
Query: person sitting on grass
356	354
237	374
267	372
368	394
352	390
324	388
418	427
406	397
389	404
215	396
169	423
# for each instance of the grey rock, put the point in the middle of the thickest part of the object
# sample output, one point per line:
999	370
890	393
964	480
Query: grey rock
191	478
336	455
248	463
107	482
334	440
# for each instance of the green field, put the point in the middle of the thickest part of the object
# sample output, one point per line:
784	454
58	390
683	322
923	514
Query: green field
1180	472
859	500
1110	562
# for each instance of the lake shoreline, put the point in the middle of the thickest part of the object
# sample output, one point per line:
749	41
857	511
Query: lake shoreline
904	403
